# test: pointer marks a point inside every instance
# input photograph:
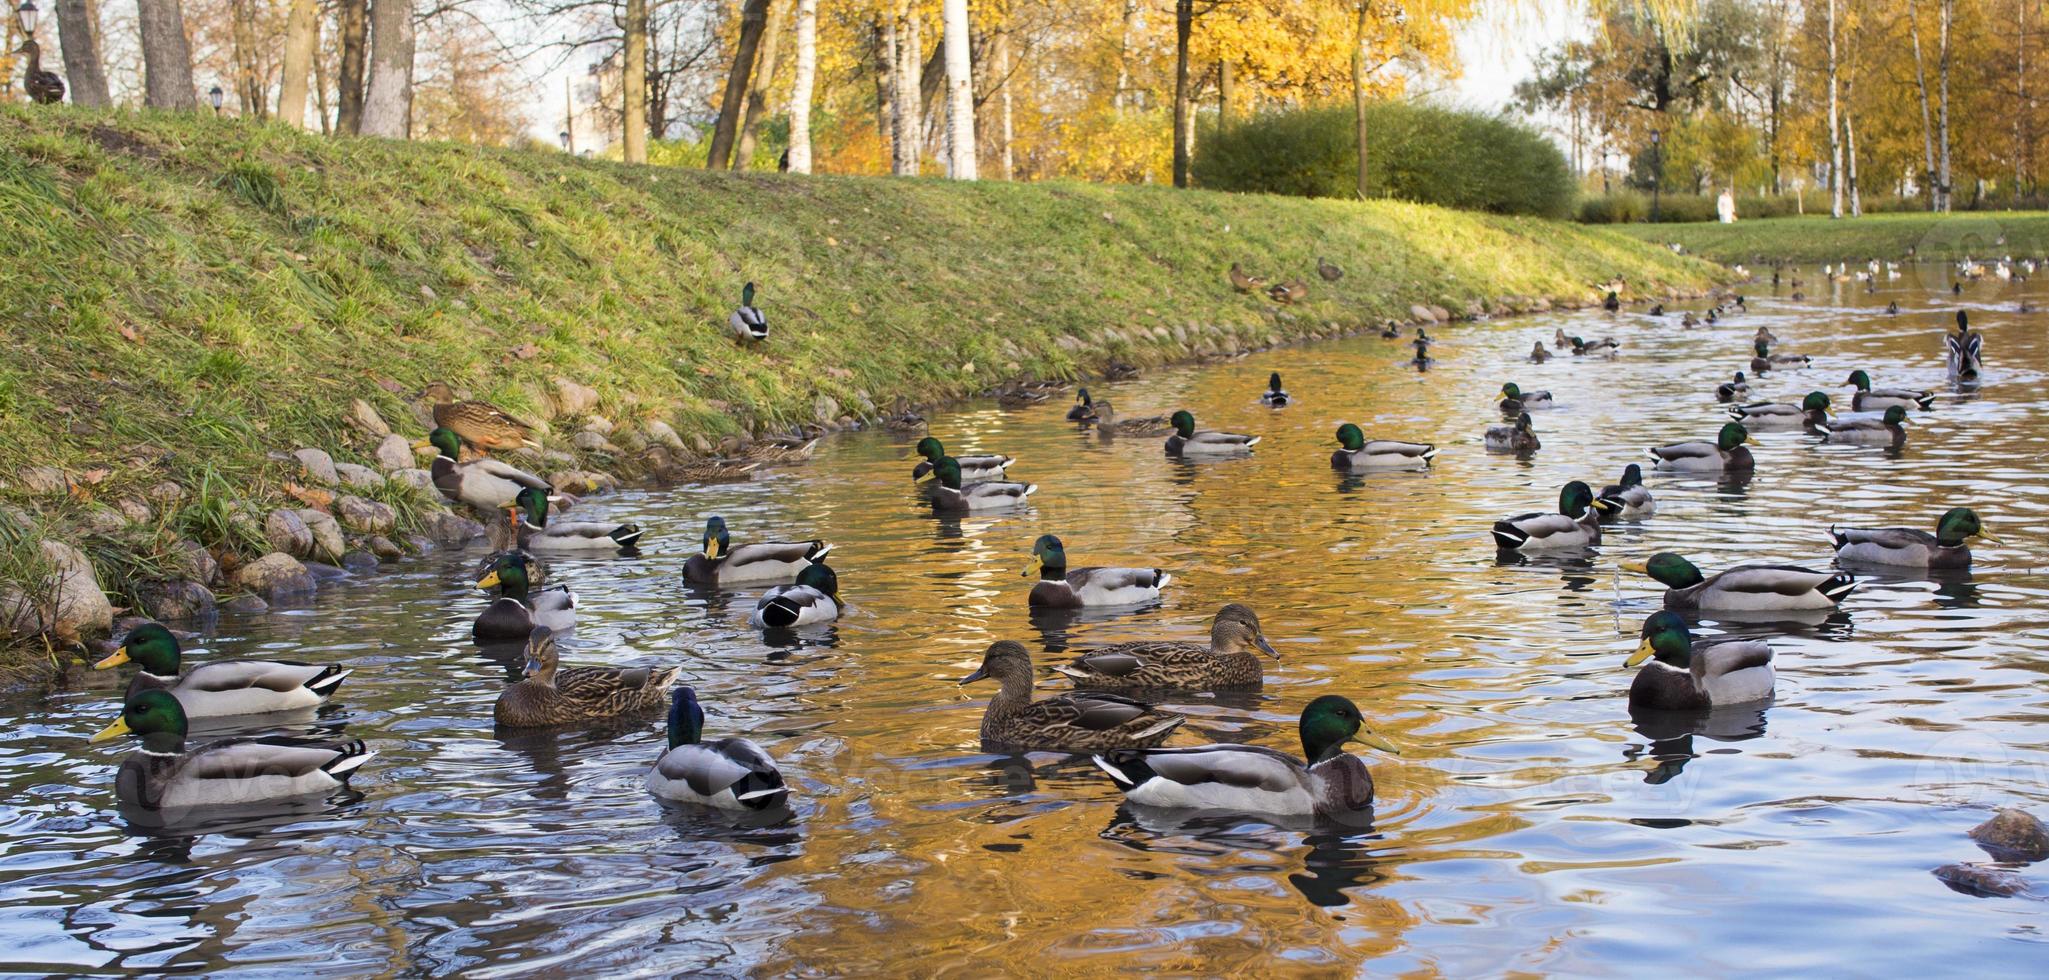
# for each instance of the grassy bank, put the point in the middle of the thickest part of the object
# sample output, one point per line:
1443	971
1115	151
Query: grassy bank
186	298
1975	234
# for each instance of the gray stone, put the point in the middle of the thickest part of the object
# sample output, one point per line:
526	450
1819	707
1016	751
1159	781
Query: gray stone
358	476
1981	881
663	433
384	547
591	442
394	453
166	493
317	464
328	543
450	530
81	607
359	561
273	575
287	532
2013	834
364	417
415	478
1440	314
322	572
574	399
581	482
135	510
419	543
246	605
556	457
825	408
43	480
599	424
101	519
175	599
193	561
365	516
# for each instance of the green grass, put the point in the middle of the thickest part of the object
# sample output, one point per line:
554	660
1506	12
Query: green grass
220	290
1978	234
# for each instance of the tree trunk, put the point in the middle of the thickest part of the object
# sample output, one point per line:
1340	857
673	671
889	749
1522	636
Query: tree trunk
1184	122
78	33
885	84
1005	164
302	40
1944	9
960	91
320	108
1359	95
633	85
166	58
2022	112
388	100
753	17
1835	127
1121	98
249	100
800	87
910	115
352	22
1227	92
757	86
1927	127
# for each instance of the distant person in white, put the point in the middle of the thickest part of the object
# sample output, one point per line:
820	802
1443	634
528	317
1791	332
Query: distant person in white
1725	206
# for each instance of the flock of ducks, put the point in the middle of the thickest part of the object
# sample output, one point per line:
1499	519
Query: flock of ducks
1105	715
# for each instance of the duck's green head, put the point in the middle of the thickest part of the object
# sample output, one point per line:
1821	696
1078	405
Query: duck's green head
532	506
1632	476
1511	391
1860	379
931	449
155	649
1763	349
1273	381
1082	396
948	472
820	576
509	576
1664	637
716	541
1329	722
1049	559
443	441
1740	379
1733	434
152	714
686	719
1576	497
1671	570
1963	322
1351	438
1957	525
1523	422
747	295
1896	416
1184	424
1816	401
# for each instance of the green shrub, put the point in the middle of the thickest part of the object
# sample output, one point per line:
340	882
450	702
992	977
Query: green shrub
1421	153
1629	206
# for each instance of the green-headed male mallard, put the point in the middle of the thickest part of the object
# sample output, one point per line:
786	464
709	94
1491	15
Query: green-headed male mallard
551	694
222	687
1061	587
481	424
728	773
747	324
1084	409
1518	438
1274	396
165	775
1745	588
1186	441
1869	399
719	563
972	468
1231	660
1727	454
1729	391
1948	547
530	509
1064	723
1356	453
815	598
1628	499
1964	350
1688	675
486	484
520	608
1577	524
954	496
1515	401
1765	360
1890	428
1812	412
1255	779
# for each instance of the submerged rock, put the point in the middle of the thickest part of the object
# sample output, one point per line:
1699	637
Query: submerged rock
359	561
246	604
450	530
274	575
2013	835
384	547
1984	882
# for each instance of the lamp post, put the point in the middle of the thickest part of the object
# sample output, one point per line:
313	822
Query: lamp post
564	137
1657	171
27	15
214	96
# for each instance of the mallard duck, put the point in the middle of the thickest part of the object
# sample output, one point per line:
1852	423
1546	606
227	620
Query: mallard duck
1577	524
1517	438
719	563
1684	675
1018	396
1966	350
554	695
1329	272
43	87
813	599
1745	588
1064	723
1657	309
1285	293
1948	547
1244	283
1538	354
955	496
1764	336
1355	453
1628	499
1890	428
1892	308
770	450
1274	395
1390	330
902	418
536	570
729	773
1255	779
1084	409
1119	371
520	608
1869	399
1726	454
486	484
164	775
972	468
1061	587
222	687
1515	401
1765	360
529	511
747	323
1186	441
1688	321
1729	391
1231	660
1559	339
1812	412
1603	345
481	424
1612	302
1107	422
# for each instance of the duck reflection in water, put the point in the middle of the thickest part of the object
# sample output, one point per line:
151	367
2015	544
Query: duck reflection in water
544	749
783	642
1055	625
1337	861
1669	734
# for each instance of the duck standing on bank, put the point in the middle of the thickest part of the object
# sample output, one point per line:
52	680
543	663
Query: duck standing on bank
747	323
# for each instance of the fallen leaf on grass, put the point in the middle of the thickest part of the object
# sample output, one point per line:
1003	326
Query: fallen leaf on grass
128	333
310	496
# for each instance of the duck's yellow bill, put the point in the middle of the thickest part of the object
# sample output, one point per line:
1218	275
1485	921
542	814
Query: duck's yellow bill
1986	537
711	550
489	581
422	445
1642	653
118	658
1371	740
1640	566
1032	568
115	730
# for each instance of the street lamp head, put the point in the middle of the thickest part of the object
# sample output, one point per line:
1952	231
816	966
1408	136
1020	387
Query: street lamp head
27	14
214	95
564	137
1657	137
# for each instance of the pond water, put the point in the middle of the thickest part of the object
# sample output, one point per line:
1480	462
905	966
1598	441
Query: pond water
1527	824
